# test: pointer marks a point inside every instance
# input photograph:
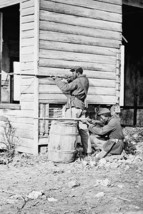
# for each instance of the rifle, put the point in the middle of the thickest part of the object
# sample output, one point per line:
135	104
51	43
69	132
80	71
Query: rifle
58	118
38	75
67	119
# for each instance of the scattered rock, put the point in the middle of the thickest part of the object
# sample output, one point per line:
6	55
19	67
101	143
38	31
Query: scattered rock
102	162
52	199
100	194
11	201
92	163
84	163
114	165
126	168
105	182
34	194
58	171
73	184
120	186
15	196
140	183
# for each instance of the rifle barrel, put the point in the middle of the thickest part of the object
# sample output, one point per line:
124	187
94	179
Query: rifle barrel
48	118
35	75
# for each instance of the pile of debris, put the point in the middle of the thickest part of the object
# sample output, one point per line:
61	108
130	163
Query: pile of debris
133	134
133	140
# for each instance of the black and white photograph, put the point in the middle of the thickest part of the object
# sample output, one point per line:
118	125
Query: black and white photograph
71	107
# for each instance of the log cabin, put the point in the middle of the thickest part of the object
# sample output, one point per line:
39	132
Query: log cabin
48	37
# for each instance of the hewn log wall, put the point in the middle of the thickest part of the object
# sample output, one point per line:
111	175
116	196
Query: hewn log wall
86	33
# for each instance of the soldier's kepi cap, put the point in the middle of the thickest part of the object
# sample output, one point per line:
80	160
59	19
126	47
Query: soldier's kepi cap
77	69
103	111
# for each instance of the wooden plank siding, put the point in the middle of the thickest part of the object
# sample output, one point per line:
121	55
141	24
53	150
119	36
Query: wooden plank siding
112	7
25	121
83	33
27	51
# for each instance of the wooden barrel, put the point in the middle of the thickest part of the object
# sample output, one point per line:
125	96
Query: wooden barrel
62	141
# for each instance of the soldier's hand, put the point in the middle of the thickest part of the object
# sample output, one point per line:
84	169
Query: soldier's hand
64	80
53	77
84	120
89	120
97	122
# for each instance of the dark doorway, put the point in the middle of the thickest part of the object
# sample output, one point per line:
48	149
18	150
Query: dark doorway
132	31
10	31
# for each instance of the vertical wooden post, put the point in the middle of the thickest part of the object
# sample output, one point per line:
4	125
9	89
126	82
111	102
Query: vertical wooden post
47	122
118	78
135	99
42	113
122	86
36	70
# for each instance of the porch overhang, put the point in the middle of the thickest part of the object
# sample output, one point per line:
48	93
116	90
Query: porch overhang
7	3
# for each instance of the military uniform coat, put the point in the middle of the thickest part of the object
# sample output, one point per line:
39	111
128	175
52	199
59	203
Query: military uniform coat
114	132
76	91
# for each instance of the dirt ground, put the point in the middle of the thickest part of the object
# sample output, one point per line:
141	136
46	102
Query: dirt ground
34	185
